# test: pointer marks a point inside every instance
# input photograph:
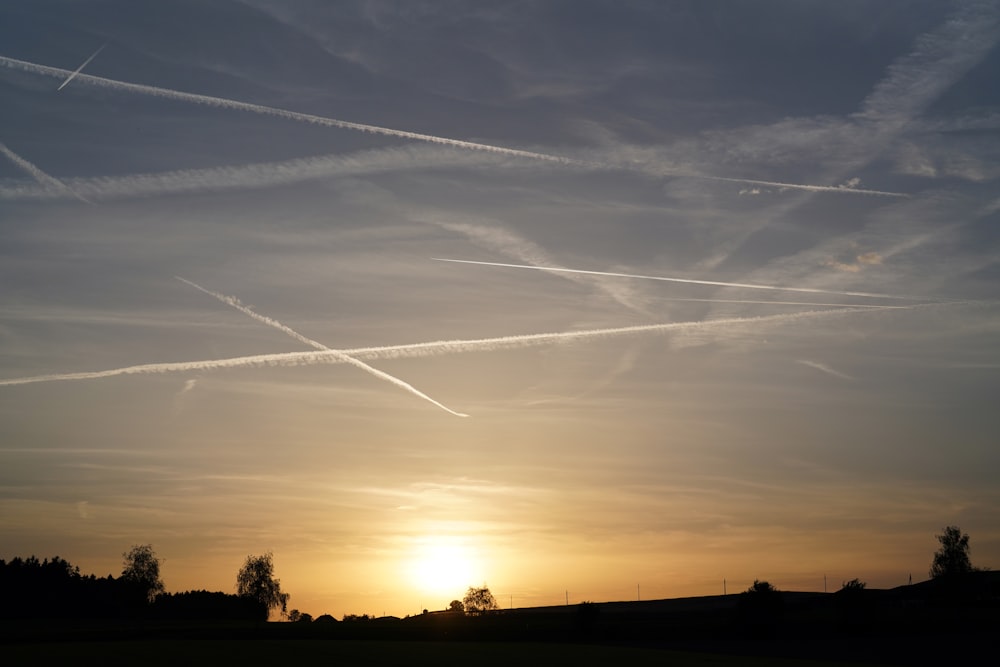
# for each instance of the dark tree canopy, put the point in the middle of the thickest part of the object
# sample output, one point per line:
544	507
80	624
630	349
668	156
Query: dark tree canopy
141	571
479	601
953	556
53	588
203	606
456	606
852	586
256	581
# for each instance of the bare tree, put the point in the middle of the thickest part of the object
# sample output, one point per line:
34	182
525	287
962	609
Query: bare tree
256	581
953	556
141	571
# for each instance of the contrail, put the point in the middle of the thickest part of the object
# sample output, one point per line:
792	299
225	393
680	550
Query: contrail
691	281
78	69
825	369
238	305
810	188
494	236
43	179
811	304
263	174
430	349
225	103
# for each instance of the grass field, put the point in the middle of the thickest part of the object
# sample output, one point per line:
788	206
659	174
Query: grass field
366	653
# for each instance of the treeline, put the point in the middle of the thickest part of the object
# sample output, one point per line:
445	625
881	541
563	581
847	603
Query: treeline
55	589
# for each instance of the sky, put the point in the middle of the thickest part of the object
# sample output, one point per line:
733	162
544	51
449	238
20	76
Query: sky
226	327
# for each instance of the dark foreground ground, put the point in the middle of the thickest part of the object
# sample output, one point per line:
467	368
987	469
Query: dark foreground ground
369	653
942	623
282	643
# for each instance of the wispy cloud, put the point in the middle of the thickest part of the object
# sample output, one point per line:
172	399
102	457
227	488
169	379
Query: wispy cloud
179	397
859	262
346	358
939	58
495	237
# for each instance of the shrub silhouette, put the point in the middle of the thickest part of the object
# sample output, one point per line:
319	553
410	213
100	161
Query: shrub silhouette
760	609
853	605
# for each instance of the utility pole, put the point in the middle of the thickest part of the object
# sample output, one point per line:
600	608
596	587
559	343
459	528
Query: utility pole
824	583
638	596
724	587
567	598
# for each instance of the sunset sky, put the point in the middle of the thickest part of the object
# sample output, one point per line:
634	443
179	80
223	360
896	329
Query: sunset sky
813	392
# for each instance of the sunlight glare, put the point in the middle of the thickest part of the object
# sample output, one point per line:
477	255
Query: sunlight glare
443	565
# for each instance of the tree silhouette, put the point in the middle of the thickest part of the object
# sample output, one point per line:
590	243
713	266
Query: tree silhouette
479	601
953	556
256	581
296	616
141	571
852	586
456	606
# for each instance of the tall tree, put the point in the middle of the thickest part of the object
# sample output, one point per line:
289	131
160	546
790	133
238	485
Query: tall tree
256	581
953	556
141	571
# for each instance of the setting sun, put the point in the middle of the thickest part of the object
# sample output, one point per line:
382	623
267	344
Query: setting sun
443	566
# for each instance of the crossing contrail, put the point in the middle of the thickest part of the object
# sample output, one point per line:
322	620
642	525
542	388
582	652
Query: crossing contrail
436	348
80	68
238	305
224	103
809	290
43	179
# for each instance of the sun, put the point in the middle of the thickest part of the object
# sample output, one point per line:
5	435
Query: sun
445	566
